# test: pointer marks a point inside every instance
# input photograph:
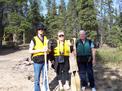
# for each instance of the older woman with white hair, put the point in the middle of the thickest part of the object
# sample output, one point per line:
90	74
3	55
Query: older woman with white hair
61	53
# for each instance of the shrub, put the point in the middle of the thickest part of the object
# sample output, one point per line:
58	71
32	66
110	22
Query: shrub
109	55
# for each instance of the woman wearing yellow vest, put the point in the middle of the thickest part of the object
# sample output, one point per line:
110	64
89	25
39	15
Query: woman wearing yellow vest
61	53
38	46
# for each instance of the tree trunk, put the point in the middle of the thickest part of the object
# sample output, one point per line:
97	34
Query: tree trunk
15	39
1	35
101	40
120	6
0	43
1	25
24	38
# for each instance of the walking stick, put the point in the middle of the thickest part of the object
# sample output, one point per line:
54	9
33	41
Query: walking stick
75	79
45	86
73	83
46	73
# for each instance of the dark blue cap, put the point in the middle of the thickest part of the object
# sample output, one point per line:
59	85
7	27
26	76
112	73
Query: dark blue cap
41	26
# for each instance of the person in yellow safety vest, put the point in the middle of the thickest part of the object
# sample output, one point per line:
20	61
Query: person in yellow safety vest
61	63
38	46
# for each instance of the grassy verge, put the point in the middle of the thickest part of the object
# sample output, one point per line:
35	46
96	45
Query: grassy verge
109	55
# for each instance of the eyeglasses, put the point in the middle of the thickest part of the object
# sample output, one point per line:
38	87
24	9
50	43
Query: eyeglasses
61	36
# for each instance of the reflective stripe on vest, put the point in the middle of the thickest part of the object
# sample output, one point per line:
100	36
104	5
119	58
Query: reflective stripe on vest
66	48
39	45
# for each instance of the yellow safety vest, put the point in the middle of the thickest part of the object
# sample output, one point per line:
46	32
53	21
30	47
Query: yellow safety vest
39	45
65	48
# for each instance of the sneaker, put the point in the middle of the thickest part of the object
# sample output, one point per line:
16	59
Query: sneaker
93	89
60	85
61	88
66	86
83	88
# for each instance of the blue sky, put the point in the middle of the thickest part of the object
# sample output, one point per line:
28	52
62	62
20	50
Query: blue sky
45	10
116	5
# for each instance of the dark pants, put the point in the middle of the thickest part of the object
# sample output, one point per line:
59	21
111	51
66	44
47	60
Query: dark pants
62	69
86	71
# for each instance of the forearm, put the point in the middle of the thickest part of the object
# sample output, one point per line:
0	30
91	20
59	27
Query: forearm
94	54
35	51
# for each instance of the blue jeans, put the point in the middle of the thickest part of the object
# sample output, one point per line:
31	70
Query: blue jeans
37	71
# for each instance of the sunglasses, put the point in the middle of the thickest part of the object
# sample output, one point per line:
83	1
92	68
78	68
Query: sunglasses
61	36
40	29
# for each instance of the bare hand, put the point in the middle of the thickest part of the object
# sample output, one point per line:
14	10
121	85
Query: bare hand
45	49
52	62
74	53
94	62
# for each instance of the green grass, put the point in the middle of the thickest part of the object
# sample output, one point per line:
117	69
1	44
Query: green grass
109	54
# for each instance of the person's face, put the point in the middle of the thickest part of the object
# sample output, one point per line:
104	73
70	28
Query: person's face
82	36
40	31
61	37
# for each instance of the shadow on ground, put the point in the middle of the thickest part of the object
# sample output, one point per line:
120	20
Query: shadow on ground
11	49
53	84
7	51
107	79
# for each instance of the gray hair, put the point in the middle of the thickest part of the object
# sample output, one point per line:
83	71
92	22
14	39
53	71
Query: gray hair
82	32
62	32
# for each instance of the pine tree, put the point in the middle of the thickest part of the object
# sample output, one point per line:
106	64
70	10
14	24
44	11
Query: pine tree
72	18
51	20
34	16
35	12
48	5
88	16
53	9
62	16
62	8
3	17
1	21
120	9
17	22
110	13
108	21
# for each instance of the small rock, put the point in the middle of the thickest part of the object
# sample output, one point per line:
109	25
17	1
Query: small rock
113	77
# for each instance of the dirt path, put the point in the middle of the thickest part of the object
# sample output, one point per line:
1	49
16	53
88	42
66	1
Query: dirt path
17	75
10	79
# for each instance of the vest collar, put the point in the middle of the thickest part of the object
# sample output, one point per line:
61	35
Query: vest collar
41	37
